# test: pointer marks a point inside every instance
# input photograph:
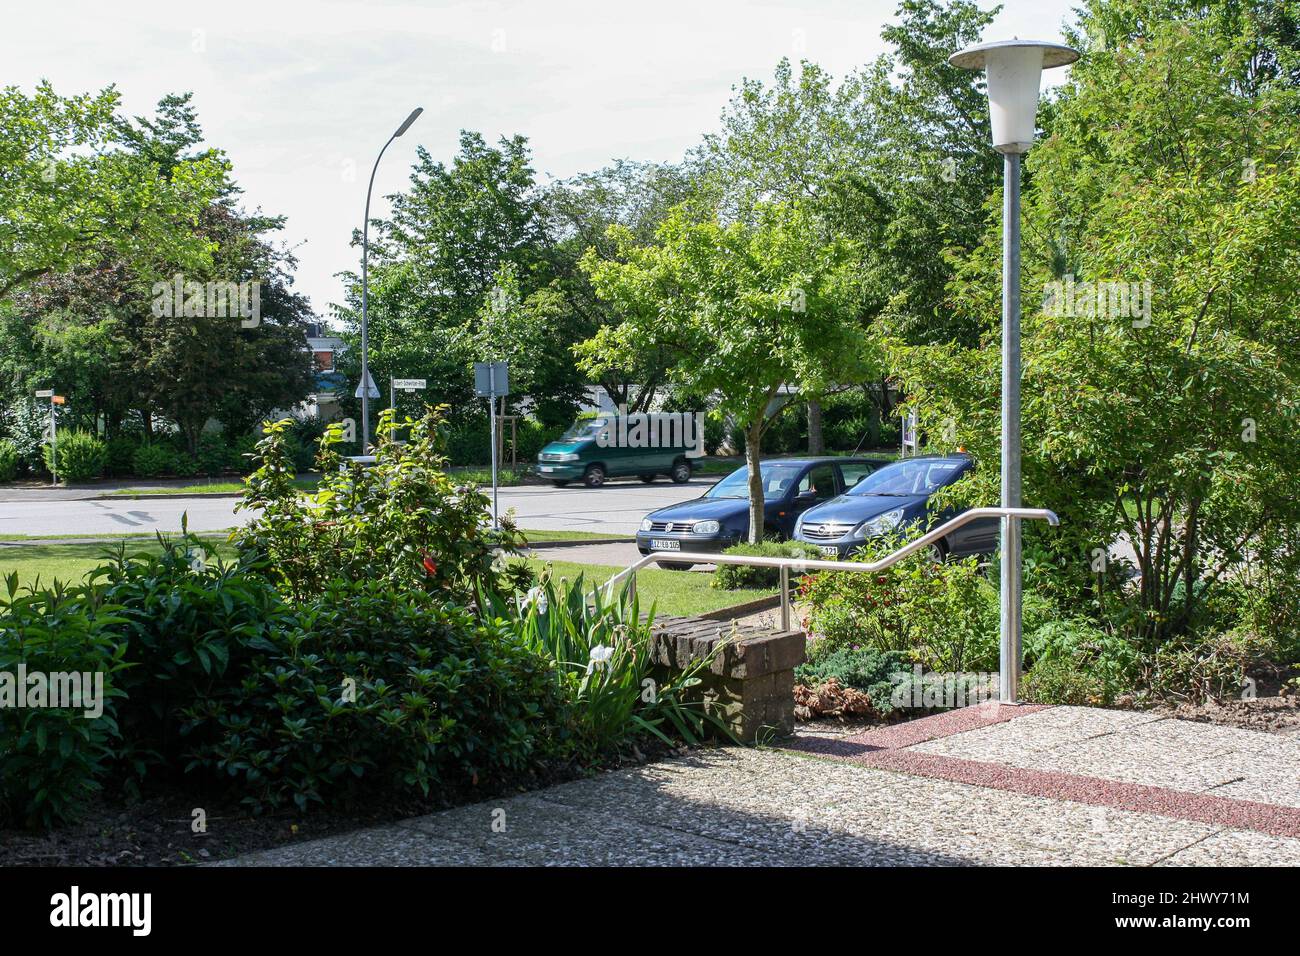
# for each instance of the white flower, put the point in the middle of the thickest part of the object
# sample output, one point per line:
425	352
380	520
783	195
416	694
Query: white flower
600	655
536	595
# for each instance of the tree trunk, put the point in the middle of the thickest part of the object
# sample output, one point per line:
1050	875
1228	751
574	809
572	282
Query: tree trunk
753	440
816	443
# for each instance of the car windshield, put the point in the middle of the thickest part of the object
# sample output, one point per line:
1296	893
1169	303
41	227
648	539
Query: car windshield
917	477
588	428
777	480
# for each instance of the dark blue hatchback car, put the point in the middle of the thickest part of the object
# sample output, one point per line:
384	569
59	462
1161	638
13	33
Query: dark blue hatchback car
720	518
896	496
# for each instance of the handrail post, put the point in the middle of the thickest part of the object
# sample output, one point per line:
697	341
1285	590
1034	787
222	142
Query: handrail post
785	597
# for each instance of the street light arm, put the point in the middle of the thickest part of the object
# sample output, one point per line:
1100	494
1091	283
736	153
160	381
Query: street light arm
365	225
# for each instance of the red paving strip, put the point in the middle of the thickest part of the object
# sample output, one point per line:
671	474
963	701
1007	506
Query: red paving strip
1202	808
913	731
884	748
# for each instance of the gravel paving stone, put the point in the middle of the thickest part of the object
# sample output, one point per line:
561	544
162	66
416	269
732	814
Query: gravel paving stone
1238	848
1262	790
1202	737
548	833
1035	731
378	846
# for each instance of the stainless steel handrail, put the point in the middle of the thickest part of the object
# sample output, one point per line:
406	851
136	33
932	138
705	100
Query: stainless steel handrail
785	564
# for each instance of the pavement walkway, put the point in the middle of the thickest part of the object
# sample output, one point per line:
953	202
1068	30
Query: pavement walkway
983	785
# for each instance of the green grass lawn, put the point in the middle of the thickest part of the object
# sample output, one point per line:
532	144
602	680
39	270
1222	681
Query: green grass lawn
673	592
71	562
534	536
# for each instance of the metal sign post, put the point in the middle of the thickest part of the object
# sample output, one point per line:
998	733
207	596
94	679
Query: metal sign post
407	385
490	380
54	434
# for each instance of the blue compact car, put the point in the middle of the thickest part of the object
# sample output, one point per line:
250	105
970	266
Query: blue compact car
895	496
720	518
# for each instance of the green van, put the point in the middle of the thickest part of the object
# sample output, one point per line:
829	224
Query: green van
617	446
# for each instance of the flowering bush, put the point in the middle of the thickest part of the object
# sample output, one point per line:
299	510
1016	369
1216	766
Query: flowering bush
402	521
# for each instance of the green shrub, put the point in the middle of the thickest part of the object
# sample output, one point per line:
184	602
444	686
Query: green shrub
599	647
466	441
25	424
153	459
243	453
379	691
189	625
1199	668
120	457
944	616
213	456
873	672
402	520
532	437
1063	648
53	759
737	577
81	456
1267	591
1064	680
185	465
8	460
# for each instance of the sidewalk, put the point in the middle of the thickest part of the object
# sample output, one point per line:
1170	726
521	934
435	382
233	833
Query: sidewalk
985	785
95	489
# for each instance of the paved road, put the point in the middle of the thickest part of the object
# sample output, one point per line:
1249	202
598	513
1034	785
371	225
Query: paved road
615	509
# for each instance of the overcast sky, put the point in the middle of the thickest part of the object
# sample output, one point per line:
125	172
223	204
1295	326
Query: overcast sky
301	94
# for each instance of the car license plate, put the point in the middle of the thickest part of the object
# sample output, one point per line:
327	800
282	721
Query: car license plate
547	468
665	544
831	550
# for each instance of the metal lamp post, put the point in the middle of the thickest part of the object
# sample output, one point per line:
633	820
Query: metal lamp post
1014	68
365	285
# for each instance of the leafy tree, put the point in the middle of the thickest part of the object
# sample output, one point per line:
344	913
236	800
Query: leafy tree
746	311
1169	164
92	330
453	234
71	190
578	213
893	157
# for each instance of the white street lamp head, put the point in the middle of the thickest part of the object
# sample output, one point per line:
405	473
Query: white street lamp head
1014	68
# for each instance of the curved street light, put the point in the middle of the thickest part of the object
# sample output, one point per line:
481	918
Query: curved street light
365	285
1014	69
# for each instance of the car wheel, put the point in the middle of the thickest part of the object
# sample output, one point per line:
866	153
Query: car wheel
937	552
648	478
674	566
558	483
681	472
594	476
